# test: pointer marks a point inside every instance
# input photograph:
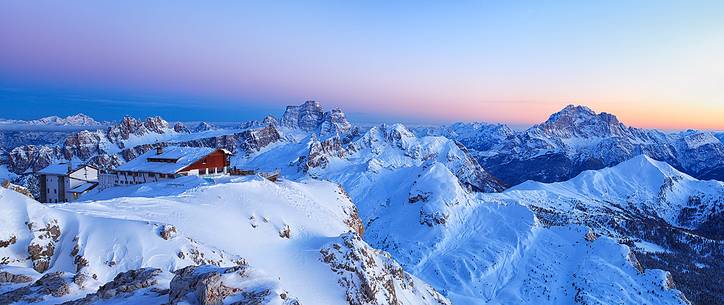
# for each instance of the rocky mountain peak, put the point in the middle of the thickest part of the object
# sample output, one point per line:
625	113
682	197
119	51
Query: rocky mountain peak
130	126
571	108
270	120
393	134
156	124
307	116
204	126
126	127
180	128
310	116
580	121
335	122
79	119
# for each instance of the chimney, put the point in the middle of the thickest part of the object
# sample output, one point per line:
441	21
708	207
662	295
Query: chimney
70	167
159	150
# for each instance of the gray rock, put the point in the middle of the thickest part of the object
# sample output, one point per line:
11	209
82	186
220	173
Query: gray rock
7	277
202	284
123	285
53	284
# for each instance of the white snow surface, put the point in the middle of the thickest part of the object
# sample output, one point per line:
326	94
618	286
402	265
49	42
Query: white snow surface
641	183
474	248
225	218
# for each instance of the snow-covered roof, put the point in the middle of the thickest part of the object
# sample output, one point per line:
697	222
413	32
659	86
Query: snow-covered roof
83	187
182	156
61	168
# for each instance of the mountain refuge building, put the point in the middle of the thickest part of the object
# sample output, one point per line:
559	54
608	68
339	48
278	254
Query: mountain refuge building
164	163
64	182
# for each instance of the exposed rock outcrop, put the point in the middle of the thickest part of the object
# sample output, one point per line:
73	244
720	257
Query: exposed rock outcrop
42	248
122	286
255	139
54	284
372	277
167	232
7	277
213	285
320	152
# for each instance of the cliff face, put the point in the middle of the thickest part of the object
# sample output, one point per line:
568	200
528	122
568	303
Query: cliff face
311	117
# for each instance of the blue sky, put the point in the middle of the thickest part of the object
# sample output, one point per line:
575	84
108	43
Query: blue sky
653	63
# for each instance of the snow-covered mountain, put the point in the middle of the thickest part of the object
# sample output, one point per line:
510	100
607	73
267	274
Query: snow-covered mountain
577	139
301	241
72	120
204	126
381	215
130	138
671	220
77	120
311	117
640	184
262	243
720	136
414	204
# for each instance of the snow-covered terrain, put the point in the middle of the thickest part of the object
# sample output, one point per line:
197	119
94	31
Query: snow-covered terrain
668	218
577	139
414	204
301	239
293	234
639	184
376	215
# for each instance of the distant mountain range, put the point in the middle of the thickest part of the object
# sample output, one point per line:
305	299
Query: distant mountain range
577	139
78	120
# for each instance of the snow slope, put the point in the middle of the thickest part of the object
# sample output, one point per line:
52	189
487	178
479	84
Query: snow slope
279	228
471	246
671	220
640	183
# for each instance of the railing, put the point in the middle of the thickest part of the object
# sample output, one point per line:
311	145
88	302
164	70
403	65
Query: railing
241	172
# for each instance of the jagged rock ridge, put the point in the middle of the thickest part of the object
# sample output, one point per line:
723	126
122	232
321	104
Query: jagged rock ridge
577	139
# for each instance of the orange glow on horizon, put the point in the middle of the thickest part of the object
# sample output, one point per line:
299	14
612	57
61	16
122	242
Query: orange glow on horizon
663	116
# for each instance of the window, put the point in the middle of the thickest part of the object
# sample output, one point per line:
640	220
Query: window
55	191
